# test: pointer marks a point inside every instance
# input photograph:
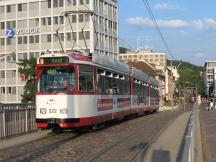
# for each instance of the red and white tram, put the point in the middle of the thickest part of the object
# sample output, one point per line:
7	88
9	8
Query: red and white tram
75	92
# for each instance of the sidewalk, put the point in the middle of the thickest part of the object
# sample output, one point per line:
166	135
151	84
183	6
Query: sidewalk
167	146
208	125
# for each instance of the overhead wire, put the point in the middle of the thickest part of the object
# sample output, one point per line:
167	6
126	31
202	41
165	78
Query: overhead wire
157	27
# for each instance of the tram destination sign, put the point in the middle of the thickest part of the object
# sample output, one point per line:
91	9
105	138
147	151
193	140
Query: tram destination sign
54	60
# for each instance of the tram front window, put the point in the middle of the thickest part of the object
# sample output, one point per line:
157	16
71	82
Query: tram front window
57	80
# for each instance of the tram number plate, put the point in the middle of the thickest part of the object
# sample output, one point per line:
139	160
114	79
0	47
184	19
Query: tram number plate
52	111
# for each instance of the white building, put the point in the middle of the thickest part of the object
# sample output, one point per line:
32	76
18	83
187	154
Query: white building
175	73
157	58
28	27
210	78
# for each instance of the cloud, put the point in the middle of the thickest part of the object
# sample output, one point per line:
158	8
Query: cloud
165	7
140	21
199	55
211	23
199	24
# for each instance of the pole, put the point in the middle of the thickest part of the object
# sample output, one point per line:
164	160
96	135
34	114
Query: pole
171	87
196	96
184	99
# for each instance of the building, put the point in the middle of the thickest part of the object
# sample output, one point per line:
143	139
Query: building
210	78
168	84
157	58
176	75
30	27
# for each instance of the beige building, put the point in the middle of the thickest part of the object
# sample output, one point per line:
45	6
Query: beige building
28	27
157	58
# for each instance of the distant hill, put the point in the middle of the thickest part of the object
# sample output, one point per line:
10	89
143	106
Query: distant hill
190	73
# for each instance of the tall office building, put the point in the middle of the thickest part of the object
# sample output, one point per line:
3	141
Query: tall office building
29	27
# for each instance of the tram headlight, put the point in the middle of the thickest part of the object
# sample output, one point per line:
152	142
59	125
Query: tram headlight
43	111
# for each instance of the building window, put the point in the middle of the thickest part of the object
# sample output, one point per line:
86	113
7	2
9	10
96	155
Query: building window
49	20
80	17
8	8
62	36
14	24
19	7
9	90
13	90
86	17
8	41
81	2
74	18
61	3
2	9
61	20
2	40
49	4
2	74
81	37
55	20
19	40
55	3
68	36
2	26
49	38
25	40
87	34
31	39
43	21
36	38
2	90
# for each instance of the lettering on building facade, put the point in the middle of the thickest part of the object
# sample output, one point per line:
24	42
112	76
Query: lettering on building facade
27	31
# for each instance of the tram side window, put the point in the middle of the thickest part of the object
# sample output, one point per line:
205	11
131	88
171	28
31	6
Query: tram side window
108	85
86	79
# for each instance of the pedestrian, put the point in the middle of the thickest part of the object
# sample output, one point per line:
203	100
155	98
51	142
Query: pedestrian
211	105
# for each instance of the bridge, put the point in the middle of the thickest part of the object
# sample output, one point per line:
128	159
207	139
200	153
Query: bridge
169	135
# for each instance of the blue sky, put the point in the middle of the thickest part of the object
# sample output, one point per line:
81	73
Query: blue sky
189	27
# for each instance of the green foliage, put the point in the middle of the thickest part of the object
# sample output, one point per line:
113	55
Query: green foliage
27	68
190	75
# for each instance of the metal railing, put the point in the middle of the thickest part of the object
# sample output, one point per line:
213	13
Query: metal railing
189	139
16	119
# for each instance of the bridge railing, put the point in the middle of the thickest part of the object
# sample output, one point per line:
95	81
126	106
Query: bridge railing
16	119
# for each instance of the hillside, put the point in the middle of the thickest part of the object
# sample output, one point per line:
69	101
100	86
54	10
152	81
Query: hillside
190	73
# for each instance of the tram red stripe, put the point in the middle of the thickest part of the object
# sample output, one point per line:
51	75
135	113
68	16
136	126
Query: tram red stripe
123	99
102	101
123	105
103	108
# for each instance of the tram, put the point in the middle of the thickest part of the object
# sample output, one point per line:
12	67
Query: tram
74	92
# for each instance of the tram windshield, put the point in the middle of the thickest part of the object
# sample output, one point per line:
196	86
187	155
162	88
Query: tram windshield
57	80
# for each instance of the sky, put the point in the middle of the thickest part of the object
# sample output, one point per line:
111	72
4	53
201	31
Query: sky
188	26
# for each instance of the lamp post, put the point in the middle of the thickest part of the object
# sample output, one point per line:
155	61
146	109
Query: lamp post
172	81
171	85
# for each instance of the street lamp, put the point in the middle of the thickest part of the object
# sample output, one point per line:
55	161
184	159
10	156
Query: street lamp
172	81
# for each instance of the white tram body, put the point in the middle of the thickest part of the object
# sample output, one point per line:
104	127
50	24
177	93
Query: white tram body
75	92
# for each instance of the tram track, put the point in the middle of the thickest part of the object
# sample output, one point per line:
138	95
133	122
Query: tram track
29	150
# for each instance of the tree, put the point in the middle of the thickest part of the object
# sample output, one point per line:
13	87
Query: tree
189	73
27	68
